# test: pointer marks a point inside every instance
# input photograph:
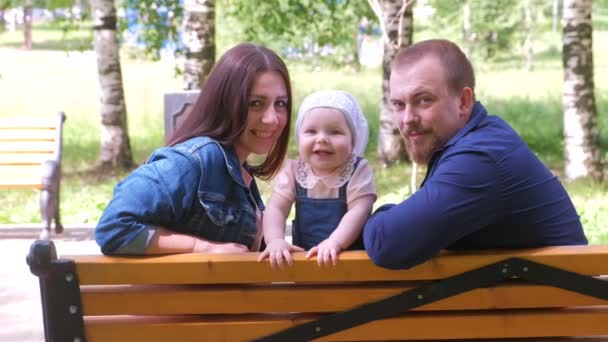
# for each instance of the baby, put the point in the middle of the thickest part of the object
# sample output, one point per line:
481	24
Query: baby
330	183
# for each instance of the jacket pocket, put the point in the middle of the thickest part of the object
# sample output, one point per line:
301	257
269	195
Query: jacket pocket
219	211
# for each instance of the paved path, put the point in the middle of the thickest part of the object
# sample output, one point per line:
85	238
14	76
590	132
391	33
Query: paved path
20	310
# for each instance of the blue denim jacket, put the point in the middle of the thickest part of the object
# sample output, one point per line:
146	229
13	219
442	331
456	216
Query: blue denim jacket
195	188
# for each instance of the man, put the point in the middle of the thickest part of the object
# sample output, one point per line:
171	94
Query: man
484	187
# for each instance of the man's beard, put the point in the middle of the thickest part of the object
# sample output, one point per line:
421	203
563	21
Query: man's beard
421	153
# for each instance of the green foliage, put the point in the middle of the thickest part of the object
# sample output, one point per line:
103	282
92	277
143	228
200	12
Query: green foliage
153	22
59	36
496	27
302	28
48	4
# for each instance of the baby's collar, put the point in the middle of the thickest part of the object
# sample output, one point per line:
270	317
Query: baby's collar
307	179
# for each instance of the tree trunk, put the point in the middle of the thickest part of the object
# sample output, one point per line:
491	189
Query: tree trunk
199	41
528	47
27	27
397	26
115	147
581	145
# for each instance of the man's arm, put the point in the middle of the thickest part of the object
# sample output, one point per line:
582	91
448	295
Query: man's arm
460	197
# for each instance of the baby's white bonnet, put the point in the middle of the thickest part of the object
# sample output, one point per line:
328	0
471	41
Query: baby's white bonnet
344	102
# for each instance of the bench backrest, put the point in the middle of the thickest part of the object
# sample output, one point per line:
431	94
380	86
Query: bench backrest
193	297
176	105
25	144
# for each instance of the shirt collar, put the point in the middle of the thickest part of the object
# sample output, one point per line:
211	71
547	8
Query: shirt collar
478	114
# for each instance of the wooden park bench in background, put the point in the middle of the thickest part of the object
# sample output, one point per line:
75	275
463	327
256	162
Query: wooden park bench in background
176	105
545	292
30	157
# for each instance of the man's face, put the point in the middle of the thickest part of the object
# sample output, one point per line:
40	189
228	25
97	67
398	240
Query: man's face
427	113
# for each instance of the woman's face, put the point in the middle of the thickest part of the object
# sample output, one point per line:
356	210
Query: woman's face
266	116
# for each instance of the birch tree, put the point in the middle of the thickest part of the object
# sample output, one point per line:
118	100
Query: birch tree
199	41
115	147
396	21
581	144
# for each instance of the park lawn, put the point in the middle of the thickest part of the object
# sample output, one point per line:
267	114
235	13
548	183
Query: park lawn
42	82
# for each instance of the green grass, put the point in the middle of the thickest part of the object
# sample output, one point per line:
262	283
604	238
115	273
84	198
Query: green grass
42	82
53	36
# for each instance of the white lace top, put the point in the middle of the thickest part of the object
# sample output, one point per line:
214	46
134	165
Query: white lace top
360	182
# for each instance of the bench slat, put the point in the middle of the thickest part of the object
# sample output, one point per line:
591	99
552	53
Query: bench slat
27	146
413	326
172	299
353	266
21	176
44	134
24	158
39	122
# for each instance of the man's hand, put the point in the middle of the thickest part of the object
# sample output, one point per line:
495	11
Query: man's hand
277	250
327	252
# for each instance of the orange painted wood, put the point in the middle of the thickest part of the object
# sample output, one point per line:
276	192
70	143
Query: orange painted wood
412	326
353	266
196	299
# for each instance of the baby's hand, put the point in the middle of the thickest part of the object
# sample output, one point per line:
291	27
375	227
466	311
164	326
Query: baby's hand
327	252
277	250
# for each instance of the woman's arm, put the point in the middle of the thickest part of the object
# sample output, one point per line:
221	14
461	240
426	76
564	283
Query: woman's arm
147	203
166	241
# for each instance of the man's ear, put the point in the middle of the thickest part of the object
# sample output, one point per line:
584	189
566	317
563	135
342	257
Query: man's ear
467	100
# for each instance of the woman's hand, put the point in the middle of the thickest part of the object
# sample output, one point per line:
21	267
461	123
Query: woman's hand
277	250
202	246
327	252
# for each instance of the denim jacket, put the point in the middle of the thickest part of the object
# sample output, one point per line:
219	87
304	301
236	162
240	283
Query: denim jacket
194	188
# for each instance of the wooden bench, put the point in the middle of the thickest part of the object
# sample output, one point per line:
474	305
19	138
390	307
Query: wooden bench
195	297
30	158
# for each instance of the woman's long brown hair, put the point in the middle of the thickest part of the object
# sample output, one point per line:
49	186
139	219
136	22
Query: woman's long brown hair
220	110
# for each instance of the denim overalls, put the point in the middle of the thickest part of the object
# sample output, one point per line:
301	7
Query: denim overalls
317	218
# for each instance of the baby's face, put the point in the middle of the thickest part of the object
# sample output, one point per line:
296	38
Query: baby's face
325	140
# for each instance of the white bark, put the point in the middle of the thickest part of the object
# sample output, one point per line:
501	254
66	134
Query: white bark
581	146
199	41
115	147
396	21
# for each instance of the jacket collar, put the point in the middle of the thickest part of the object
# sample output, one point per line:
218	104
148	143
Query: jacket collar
233	164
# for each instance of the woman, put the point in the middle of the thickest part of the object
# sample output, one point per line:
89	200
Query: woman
198	194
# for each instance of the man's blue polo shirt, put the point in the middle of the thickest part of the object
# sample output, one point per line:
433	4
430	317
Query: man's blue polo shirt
484	189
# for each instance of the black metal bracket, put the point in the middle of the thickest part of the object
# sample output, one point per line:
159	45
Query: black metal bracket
59	293
482	277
